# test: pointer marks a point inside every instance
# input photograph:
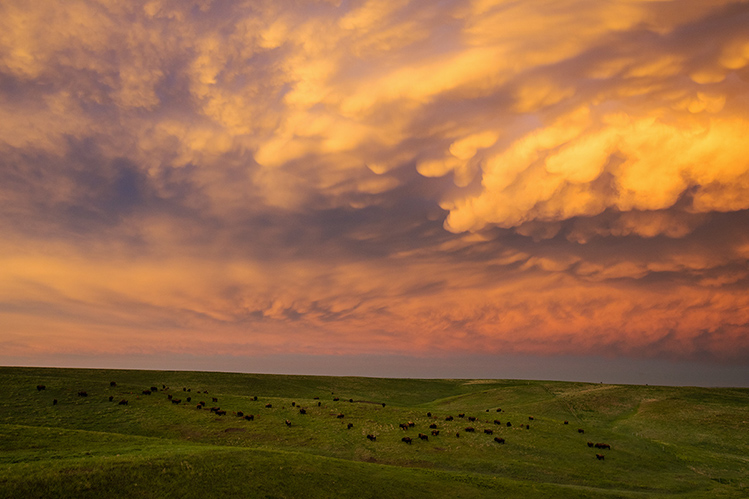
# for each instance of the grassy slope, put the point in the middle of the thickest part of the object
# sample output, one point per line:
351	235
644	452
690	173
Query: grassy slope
689	442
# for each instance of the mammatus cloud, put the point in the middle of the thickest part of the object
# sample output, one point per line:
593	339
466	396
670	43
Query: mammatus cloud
350	177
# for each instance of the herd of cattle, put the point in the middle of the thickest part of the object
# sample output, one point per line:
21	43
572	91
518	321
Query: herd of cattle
302	411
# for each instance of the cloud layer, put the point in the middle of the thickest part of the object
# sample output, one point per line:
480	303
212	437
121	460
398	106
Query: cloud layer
387	177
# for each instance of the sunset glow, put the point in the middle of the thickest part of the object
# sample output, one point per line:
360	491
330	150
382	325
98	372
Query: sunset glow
406	178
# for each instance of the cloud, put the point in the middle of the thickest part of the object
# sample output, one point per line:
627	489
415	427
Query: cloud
346	177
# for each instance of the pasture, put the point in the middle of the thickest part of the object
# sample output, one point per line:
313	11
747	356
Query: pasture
664	441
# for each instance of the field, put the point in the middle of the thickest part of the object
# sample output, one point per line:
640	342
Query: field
665	441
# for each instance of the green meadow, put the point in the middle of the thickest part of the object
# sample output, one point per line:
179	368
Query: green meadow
665	441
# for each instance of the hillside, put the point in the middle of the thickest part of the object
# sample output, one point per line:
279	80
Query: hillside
664	441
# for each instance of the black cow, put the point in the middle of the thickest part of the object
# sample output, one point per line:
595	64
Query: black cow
146	392
449	418
268	406
371	437
202	403
41	387
600	457
470	429
111	398
249	417
176	401
499	440
406	439
198	406
603	446
340	416
214	399
527	427
423	437
489	432
530	418
221	413
122	402
112	383
240	414
411	424
566	422
471	418
497	421
429	414
215	409
315	398
293	404
403	426
580	430
509	424
432	426
349	426
288	423
253	398
383	404
189	399
461	415
302	411
169	397
319	404
336	399
154	389
54	401
350	400
590	444
82	394
499	410
435	432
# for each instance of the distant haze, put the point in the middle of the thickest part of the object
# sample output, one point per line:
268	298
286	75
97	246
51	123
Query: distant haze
480	188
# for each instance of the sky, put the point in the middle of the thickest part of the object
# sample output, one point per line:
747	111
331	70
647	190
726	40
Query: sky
545	189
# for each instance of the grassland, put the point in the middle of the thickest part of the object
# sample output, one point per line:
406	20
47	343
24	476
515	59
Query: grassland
665	441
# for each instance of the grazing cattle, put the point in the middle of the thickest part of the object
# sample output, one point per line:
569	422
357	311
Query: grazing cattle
169	396
461	415
435	432
39	388
530	418
249	417
82	394
470	429
268	406
319	404
449	418
600	457
566	422
349	426
527	427
253	398
240	414
371	437
198	406
580	430
302	411
383	404
336	399
406	439
432	426
457	435
497	421
340	416
184	389
111	398
112	383
293	404
176	401
411	424
201	403
215	409
288	423
315	398
122	402
350	400
509	424
429	414
603	446
146	392
471	418
499	440
220	412
590	444
403	426
189	399
214	399
499	410
154	389
54	401
489	432
423	437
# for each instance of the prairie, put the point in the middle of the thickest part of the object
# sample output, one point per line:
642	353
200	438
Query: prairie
664	441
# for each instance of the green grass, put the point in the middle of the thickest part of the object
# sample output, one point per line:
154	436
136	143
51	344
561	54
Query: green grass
666	441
